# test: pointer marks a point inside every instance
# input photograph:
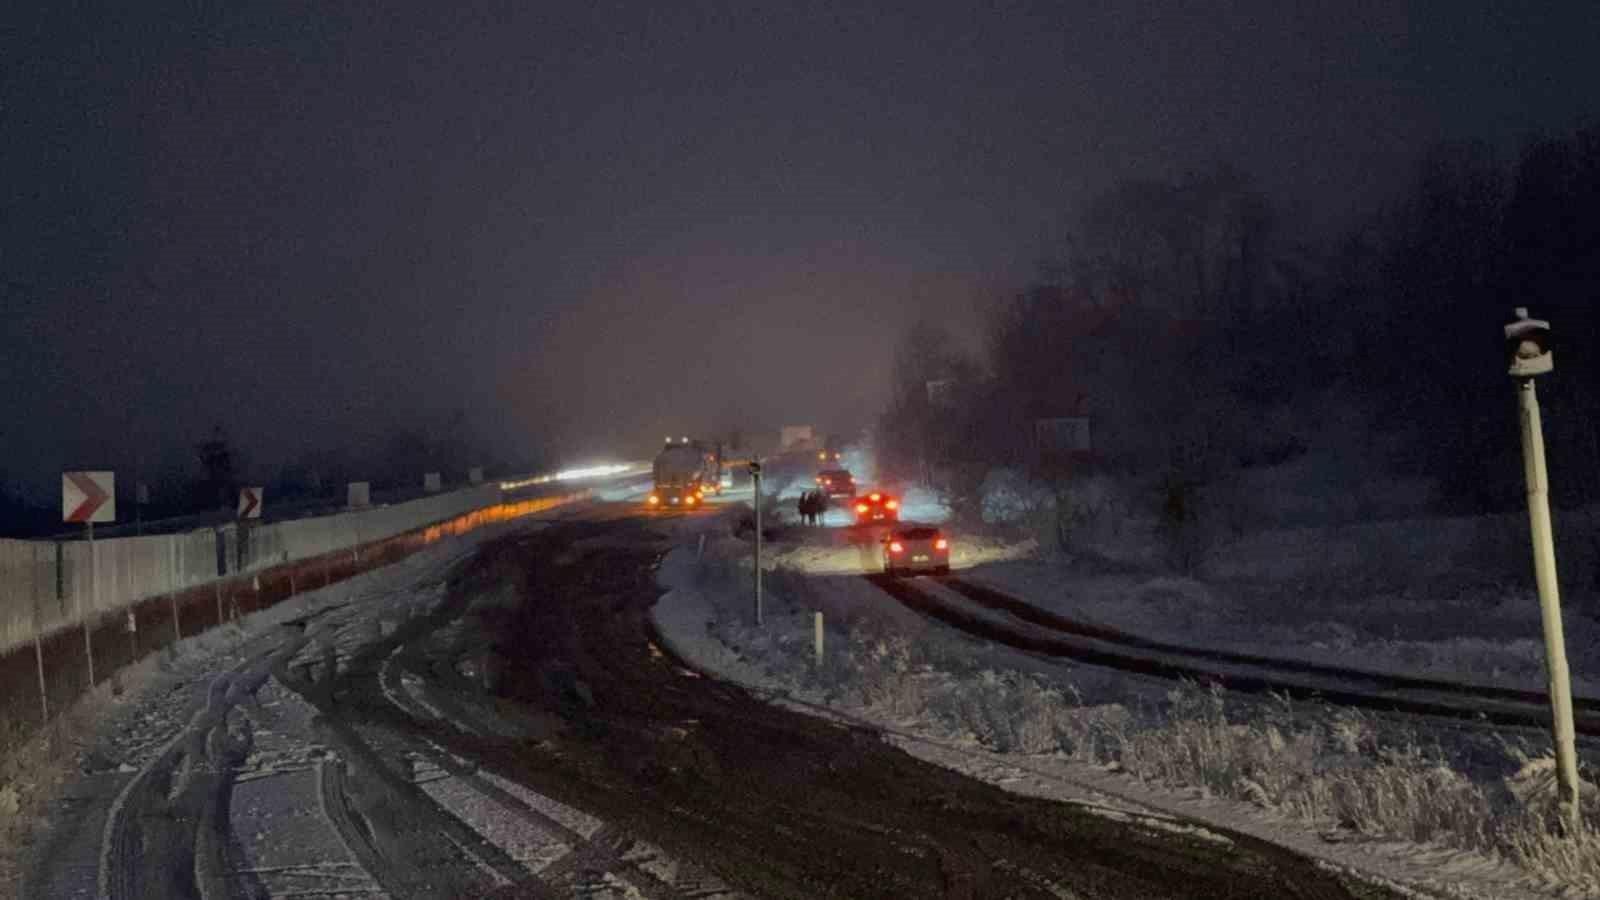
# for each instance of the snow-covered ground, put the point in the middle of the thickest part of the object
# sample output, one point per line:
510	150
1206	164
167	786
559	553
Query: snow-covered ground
312	804
1453	812
1448	598
1407	596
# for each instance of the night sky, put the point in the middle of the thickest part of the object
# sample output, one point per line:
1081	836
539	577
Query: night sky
587	224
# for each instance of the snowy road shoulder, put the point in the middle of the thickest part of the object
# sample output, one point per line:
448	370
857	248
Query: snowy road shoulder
953	701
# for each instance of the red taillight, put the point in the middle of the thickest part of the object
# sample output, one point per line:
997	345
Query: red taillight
897	547
941	544
892	504
875	497
861	507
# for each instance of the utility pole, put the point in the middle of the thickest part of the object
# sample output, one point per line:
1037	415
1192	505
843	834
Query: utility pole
755	480
1527	344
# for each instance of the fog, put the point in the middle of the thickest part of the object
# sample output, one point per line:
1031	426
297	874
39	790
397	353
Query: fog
564	231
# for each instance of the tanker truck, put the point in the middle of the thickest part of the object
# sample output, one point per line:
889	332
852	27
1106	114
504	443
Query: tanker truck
685	473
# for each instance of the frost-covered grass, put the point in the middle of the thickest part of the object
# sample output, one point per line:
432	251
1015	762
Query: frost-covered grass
1335	770
1264	568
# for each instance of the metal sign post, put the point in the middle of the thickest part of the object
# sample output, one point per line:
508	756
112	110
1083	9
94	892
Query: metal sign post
94	603
250	503
755	478
1527	344
89	497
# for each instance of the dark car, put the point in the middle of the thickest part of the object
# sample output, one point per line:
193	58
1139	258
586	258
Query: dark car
837	482
877	507
918	548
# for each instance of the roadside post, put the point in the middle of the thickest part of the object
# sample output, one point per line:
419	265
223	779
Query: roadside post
89	497
248	512
755	479
816	634
1528	349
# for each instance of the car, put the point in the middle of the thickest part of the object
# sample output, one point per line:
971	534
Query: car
837	482
877	507
827	456
916	548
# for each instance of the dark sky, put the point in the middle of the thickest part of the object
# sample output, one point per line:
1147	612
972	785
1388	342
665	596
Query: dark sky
591	223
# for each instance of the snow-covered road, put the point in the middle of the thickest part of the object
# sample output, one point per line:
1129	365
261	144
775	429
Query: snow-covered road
303	754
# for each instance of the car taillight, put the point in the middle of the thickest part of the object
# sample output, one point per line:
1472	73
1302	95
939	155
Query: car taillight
861	507
893	504
654	499
941	544
875	497
897	547
689	499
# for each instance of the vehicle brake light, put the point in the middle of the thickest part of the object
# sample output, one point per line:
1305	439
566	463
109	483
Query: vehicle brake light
876	497
897	547
689	500
654	499
861	507
941	544
893	504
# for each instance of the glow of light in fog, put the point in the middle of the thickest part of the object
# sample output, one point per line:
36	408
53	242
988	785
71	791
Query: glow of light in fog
578	474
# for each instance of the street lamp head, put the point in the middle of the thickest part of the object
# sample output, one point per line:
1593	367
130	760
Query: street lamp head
1528	346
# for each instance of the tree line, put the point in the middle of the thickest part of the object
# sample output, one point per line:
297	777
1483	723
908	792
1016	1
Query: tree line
1201	340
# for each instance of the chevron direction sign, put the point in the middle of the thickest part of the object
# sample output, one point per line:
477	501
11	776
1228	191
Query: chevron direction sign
88	497
250	502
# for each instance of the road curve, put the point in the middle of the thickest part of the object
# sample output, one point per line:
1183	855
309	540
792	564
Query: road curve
511	727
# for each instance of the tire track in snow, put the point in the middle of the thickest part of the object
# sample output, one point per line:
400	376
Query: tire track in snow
592	847
167	831
392	826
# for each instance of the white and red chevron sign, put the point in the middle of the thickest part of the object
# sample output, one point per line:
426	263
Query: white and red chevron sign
250	502
88	497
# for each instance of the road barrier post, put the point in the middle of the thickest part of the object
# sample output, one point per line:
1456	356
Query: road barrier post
38	650
816	634
1527	344
755	478
172	595
94	601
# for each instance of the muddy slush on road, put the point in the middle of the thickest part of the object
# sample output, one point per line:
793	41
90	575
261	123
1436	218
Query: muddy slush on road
521	731
776	803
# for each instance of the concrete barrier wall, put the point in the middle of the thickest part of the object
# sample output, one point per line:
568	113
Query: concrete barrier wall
71	617
27	589
283	542
48	586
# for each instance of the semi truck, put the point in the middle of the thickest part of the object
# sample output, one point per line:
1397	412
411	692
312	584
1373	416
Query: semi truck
685	472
